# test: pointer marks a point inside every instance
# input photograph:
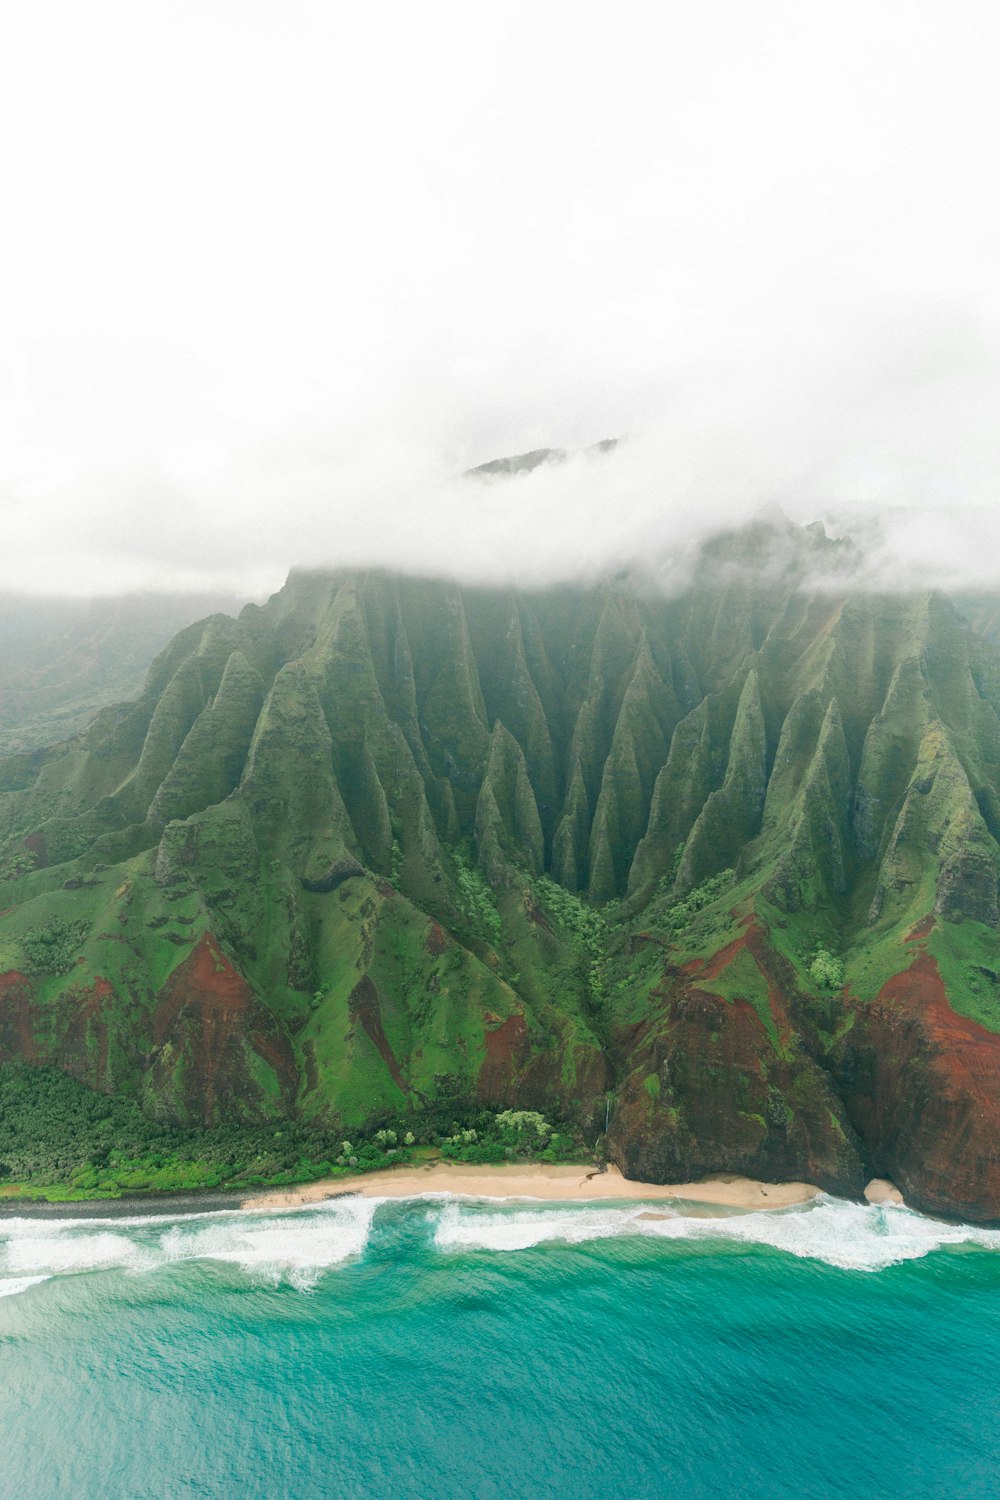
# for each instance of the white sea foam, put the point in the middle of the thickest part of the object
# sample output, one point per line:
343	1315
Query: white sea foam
295	1245
60	1254
11	1285
852	1236
299	1245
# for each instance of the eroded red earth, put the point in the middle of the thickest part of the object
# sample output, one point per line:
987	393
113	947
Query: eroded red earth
17	1038
507	1050
923	1084
207	1013
709	1087
365	1005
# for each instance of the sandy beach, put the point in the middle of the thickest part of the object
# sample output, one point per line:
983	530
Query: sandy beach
538	1180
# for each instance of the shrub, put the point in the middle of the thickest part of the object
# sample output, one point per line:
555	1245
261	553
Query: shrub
680	914
592	926
476	898
17	862
52	949
826	971
521	1121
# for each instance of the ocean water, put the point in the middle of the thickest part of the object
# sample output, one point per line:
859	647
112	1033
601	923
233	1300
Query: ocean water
446	1347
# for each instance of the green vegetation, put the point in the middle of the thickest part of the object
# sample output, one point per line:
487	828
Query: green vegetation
384	854
514	1135
52	949
825	971
743	980
968	956
60	1141
678	916
596	929
475	898
16	862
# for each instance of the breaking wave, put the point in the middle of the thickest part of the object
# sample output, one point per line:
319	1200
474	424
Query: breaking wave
294	1246
11	1285
297	1246
850	1236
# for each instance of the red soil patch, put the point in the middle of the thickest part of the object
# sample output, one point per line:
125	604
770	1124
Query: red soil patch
729	1017
208	980
208	1011
436	941
928	1093
17	1039
753	940
923	929
364	1003
711	968
920	988
88	1018
507	1050
726	1080
778	985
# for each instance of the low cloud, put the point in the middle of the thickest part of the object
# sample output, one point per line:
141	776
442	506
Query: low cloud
885	436
274	282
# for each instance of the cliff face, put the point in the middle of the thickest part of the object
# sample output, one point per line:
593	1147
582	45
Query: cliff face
386	842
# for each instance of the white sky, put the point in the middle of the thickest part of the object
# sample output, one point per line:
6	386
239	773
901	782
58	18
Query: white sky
270	273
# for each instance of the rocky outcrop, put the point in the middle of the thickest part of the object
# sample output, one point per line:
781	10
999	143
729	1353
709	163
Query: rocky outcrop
921	1085
719	1079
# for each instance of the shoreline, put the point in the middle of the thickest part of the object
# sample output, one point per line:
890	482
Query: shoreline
545	1182
212	1200
532	1181
541	1181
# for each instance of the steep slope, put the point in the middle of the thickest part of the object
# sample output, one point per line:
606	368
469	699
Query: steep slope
724	867
65	658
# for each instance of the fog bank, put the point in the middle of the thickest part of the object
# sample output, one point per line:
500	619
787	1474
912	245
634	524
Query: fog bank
274	275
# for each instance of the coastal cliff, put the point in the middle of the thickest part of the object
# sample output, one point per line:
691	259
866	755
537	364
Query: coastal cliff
720	869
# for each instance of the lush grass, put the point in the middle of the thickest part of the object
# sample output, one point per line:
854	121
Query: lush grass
968	956
742	980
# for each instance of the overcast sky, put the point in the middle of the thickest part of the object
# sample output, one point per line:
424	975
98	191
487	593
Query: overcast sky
271	273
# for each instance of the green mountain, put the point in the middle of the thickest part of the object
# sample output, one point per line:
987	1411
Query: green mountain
721	868
65	658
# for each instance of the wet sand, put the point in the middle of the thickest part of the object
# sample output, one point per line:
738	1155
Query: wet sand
126	1207
881	1190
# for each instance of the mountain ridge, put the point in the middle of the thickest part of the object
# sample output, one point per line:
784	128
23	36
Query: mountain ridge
66	658
383	842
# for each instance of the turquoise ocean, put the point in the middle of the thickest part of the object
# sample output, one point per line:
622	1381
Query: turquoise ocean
447	1347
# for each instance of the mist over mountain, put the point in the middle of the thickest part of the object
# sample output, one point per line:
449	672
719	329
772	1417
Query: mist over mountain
623	741
648	502
63	659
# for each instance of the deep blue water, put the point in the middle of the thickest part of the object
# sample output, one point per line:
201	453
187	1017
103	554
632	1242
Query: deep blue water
439	1348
